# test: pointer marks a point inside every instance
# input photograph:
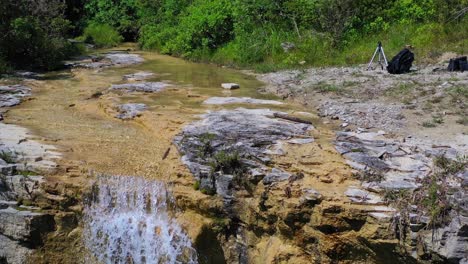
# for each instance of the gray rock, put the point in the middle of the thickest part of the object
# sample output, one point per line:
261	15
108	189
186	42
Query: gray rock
12	251
19	187
124	58
13	95
230	86
107	60
249	132
130	111
146	87
276	175
359	196
238	100
25	226
138	76
301	141
310	196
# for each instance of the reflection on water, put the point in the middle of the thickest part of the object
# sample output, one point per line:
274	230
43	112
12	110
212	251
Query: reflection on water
128	220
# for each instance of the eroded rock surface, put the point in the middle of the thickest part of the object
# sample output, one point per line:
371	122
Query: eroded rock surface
390	165
138	76
106	60
248	133
13	95
130	111
145	87
238	100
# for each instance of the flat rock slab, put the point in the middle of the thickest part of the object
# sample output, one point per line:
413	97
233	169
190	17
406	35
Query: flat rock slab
13	95
107	60
130	111
145	87
238	100
38	156
230	86
138	76
359	196
13	251
24	225
124	58
251	133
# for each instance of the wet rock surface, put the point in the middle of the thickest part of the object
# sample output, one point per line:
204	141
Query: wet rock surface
145	87
138	76
130	111
238	100
106	60
13	95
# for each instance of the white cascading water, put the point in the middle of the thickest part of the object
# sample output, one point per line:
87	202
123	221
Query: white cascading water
127	220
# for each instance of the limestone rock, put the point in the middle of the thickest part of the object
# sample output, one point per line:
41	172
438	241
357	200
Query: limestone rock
13	95
230	86
276	175
238	100
130	111
138	76
145	87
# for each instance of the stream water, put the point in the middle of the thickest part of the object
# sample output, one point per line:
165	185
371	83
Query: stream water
127	220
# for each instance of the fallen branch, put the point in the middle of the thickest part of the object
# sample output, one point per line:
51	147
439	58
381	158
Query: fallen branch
292	118
166	153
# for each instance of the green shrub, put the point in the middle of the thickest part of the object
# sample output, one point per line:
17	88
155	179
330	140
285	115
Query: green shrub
101	35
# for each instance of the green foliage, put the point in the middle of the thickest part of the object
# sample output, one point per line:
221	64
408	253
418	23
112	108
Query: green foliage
121	15
101	35
34	34
227	162
7	156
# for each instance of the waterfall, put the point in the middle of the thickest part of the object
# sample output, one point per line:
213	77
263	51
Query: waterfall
128	220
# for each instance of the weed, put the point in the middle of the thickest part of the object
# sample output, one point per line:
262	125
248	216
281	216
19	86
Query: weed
323	87
369	176
431	199
196	185
8	157
206	149
428	124
438	119
26	173
228	163
463	120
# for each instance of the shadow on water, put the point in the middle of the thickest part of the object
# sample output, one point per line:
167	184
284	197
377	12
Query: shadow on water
209	248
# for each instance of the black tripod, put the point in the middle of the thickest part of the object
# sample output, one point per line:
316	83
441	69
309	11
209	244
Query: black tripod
381	53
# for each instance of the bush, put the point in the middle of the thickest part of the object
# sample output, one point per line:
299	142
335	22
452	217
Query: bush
34	35
101	35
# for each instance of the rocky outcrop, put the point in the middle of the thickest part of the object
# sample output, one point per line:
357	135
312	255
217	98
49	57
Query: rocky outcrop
226	143
385	164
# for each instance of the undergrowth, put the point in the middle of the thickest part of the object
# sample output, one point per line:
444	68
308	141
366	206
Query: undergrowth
431	200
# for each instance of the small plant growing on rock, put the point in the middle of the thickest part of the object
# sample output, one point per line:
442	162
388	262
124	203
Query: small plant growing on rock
227	162
432	199
205	149
8	157
369	175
